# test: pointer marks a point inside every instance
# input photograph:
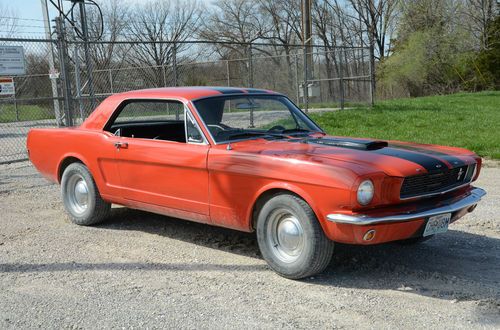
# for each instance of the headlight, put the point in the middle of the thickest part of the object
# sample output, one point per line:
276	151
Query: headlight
365	192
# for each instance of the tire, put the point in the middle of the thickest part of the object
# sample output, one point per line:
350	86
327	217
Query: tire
291	239
80	196
414	240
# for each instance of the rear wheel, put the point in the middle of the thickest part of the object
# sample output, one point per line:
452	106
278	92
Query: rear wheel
291	239
81	199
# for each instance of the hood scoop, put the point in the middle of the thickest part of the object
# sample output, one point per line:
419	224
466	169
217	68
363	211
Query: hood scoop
350	143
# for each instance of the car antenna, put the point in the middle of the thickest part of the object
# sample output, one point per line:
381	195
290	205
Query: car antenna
229	147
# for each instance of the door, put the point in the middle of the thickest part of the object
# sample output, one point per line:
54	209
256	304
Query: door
158	164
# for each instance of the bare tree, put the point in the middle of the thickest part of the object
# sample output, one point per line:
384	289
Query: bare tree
480	14
336	25
378	19
235	21
110	27
158	25
285	29
8	21
284	21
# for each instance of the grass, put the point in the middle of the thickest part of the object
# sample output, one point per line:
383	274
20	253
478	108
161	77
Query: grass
8	113
468	120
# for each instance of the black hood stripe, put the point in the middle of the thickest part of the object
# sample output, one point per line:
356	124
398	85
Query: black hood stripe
454	161
428	159
427	162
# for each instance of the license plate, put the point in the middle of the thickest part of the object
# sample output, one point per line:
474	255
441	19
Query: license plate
437	224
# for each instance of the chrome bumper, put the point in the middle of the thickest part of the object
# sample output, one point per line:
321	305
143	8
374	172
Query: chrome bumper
471	199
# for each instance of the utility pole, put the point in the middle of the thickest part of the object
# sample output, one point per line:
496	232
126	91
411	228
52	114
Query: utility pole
63	61
307	45
371	30
88	61
52	69
307	36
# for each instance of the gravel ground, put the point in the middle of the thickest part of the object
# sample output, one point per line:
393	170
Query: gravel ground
143	270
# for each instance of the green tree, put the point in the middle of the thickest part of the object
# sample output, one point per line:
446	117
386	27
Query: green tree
429	51
488	60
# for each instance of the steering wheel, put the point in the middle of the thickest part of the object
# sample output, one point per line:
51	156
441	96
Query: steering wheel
276	128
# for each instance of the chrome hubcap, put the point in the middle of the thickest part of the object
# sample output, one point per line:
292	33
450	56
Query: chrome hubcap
286	236
78	194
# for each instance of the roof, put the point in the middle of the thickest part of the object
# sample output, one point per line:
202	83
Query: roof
101	114
192	93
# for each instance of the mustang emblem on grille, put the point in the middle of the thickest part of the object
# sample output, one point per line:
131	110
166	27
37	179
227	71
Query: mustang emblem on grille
460	173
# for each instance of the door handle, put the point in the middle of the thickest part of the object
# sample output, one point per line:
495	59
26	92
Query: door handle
121	145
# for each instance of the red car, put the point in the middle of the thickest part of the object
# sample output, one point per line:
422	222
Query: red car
251	160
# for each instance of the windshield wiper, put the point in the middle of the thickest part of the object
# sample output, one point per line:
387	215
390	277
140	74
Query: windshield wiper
291	131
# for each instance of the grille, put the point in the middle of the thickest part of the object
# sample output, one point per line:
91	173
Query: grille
436	182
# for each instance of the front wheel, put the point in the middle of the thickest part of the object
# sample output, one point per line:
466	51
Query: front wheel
80	196
291	239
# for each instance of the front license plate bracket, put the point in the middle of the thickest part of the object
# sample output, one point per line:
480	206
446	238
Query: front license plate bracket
437	224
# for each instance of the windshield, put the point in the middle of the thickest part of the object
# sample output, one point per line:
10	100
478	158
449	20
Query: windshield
240	117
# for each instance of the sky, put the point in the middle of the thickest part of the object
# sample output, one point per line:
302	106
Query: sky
29	13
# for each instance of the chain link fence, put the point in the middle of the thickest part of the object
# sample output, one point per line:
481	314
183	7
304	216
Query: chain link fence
61	88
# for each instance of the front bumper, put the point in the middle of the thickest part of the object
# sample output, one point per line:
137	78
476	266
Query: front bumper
456	204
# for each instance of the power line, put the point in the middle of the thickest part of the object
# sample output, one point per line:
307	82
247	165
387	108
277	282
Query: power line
28	26
22	19
22	32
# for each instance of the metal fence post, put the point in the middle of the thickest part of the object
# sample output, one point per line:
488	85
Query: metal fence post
63	61
111	81
250	80
297	78
250	66
304	86
16	108
372	77
228	74
164	73
341	77
174	63
78	84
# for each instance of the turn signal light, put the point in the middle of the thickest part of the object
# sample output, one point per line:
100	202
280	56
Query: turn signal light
369	235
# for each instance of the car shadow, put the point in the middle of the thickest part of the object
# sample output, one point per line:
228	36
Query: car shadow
454	266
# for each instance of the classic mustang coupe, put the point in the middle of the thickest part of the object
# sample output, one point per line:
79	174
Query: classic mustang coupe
251	160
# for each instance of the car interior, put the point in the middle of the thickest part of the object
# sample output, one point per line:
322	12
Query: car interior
171	130
157	120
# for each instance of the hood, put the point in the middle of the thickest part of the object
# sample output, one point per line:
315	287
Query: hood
394	158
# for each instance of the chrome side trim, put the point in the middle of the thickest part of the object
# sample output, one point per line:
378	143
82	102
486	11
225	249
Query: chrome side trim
472	198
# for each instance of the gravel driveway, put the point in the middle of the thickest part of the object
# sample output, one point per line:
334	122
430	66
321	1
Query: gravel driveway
143	270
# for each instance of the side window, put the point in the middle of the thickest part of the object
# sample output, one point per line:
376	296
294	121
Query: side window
135	111
156	120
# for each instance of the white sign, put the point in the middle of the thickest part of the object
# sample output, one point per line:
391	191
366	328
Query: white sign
7	86
54	74
12	60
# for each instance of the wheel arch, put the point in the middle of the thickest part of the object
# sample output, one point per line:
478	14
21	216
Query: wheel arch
66	161
268	192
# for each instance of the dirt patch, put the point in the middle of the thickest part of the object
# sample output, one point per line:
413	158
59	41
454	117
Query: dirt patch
144	270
